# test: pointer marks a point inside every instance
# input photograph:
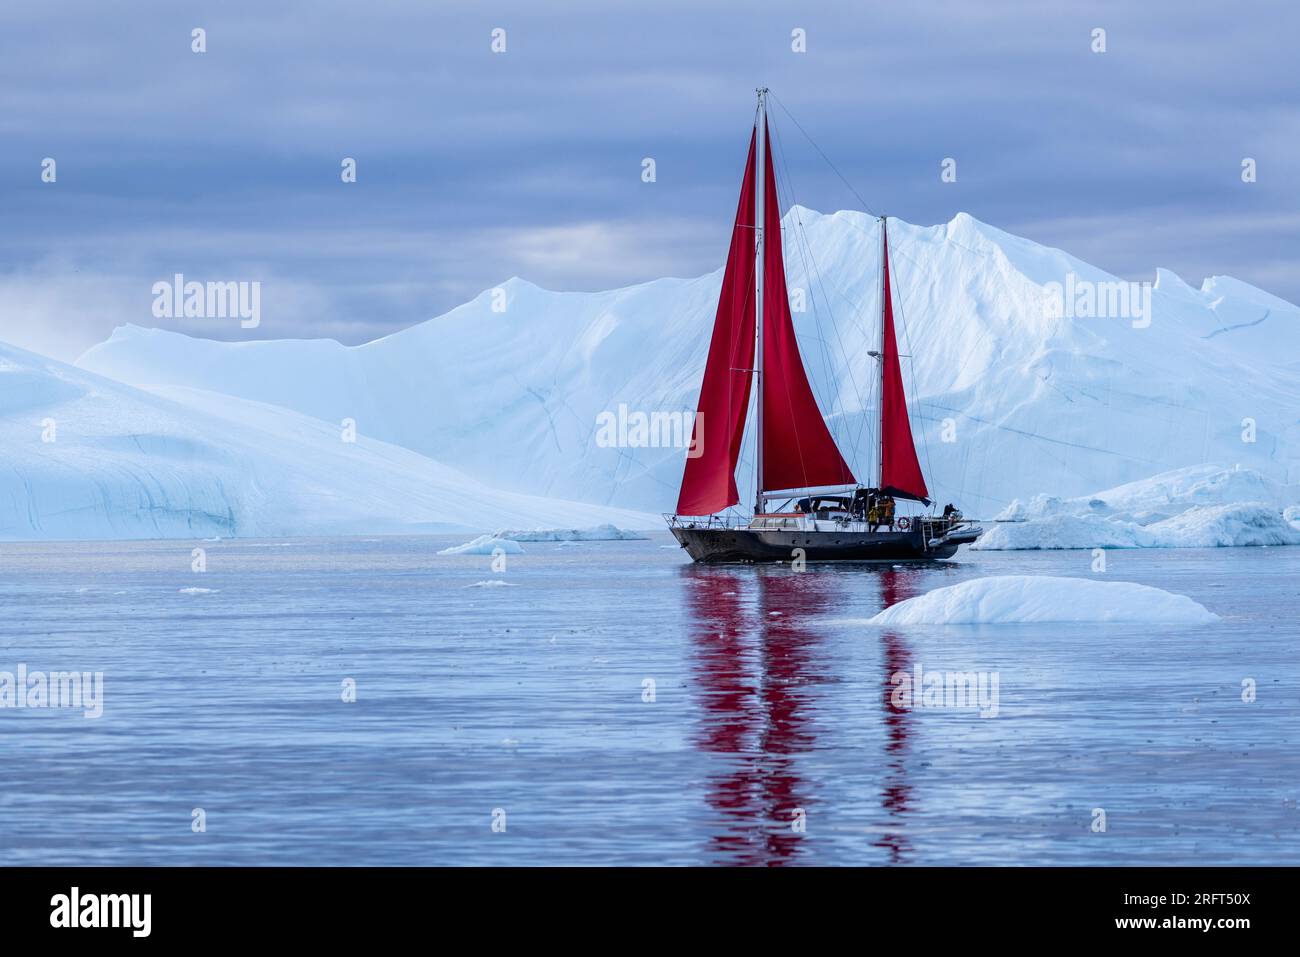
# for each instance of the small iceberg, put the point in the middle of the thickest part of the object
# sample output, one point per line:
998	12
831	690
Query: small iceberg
597	533
1015	599
1204	506
1236	525
491	583
197	591
485	545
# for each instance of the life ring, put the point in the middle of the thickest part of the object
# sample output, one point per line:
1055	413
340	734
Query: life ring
903	524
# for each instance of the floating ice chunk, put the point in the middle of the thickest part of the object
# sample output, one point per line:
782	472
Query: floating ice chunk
1162	496
597	533
485	545
491	583
198	591
1204	506
1212	526
1060	531
1010	599
1238	524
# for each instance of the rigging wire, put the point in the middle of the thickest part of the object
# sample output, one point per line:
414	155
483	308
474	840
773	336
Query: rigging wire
880	279
781	237
897	250
823	155
900	250
785	184
911	369
804	249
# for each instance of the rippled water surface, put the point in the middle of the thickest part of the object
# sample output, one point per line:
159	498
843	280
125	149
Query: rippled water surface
771	704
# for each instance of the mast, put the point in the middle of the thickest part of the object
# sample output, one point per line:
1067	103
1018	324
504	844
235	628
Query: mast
760	196
904	478
884	291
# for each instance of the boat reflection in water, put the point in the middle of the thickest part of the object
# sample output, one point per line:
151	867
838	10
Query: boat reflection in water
760	680
896	795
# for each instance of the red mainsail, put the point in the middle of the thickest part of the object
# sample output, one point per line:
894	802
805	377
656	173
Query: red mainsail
900	472
709	483
797	447
798	451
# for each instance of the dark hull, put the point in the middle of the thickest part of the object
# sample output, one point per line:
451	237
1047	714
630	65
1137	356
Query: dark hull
716	545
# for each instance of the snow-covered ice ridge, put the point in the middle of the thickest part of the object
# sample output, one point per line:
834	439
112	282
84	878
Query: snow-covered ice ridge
1021	599
85	457
1204	506
1033	402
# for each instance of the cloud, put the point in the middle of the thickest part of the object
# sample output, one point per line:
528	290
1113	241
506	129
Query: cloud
473	167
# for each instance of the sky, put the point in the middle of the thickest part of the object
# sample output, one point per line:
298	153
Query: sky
474	166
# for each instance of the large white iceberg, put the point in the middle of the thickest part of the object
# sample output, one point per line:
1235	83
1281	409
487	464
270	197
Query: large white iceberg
85	457
1016	599
1007	398
1205	506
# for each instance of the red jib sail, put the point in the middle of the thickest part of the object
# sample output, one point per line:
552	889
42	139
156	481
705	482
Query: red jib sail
798	451
709	483
900	472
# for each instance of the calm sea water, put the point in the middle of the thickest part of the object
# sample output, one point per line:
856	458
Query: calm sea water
525	703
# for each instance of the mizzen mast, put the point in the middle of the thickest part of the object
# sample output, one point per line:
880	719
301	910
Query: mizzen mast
760	202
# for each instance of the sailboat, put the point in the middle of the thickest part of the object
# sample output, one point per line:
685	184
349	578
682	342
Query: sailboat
834	517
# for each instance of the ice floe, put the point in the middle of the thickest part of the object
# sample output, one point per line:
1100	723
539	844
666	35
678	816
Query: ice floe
1203	506
486	545
1012	599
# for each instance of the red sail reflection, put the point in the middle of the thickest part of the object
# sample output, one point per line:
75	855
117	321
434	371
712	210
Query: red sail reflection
757	669
759	673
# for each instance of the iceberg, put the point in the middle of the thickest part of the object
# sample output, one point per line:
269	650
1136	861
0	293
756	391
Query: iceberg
1196	507
1017	599
1008	399
89	458
485	545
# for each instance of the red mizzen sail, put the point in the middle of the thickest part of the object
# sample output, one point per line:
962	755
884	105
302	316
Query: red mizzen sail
900	472
709	483
798	451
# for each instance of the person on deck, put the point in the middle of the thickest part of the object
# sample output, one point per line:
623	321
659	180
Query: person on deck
873	517
887	515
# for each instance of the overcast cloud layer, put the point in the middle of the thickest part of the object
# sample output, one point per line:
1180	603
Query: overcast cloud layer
475	166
